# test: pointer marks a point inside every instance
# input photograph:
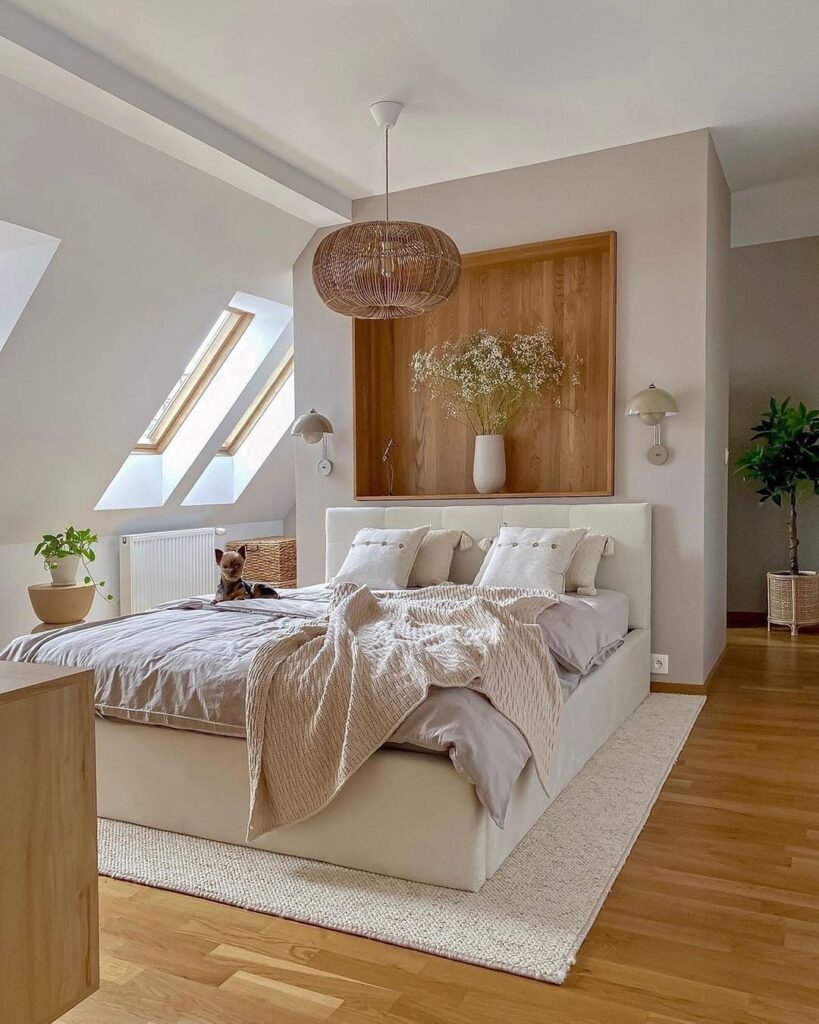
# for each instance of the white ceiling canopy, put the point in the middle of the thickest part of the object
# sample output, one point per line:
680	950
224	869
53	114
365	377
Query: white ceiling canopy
487	85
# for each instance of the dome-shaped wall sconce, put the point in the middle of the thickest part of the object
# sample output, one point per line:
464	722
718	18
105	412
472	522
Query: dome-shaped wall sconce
314	427
652	405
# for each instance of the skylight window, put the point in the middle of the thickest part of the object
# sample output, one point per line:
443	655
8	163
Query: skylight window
199	372
251	442
258	407
193	418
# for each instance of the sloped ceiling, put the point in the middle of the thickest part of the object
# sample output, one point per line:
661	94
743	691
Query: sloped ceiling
151	250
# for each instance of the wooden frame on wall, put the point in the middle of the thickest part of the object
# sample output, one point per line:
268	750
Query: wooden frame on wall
568	286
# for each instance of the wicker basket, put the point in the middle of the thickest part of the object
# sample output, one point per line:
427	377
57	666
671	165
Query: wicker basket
269	560
793	601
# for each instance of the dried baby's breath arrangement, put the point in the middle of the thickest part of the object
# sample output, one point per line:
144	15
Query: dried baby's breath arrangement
486	379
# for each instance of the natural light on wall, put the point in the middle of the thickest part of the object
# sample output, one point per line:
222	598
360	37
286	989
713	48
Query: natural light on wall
24	256
193	412
251	441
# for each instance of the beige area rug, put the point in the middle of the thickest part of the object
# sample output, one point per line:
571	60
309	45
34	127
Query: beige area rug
529	919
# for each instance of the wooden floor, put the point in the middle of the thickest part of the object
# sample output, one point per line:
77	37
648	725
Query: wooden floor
714	918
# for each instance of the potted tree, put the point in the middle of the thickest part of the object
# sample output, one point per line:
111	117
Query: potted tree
785	463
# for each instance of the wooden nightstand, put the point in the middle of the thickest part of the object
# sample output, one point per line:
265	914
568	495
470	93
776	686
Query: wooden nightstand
48	842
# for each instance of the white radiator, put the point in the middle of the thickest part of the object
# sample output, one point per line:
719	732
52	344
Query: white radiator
157	567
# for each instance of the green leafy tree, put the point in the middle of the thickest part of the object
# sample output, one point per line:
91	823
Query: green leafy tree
785	462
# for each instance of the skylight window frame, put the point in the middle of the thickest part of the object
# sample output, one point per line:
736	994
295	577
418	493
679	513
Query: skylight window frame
197	383
259	405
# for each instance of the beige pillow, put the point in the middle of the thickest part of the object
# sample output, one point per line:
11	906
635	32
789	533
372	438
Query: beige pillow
434	558
581	575
381	559
486	544
532	558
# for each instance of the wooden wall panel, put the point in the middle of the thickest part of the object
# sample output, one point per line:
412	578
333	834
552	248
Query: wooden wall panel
568	286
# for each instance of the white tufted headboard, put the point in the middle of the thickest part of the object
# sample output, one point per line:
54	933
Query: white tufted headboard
628	569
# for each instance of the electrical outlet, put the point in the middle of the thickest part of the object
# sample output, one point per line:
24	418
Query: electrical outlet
659	664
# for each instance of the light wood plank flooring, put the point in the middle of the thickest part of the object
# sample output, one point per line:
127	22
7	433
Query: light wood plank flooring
714	918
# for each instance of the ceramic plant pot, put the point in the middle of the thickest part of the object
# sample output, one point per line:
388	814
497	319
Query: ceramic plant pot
489	465
64	570
63	604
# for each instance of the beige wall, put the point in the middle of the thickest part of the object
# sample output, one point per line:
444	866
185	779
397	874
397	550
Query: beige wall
655	195
774	325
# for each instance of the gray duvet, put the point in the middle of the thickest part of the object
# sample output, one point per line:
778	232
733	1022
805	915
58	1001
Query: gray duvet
185	666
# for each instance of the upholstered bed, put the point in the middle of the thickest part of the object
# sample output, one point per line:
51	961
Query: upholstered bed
405	814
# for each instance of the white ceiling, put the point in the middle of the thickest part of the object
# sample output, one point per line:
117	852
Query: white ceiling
488	84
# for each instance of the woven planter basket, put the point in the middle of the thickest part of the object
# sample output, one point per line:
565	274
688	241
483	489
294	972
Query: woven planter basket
793	601
269	560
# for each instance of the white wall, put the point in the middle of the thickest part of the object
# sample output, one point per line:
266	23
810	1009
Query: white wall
24	256
717	358
655	195
774	326
775	212
150	252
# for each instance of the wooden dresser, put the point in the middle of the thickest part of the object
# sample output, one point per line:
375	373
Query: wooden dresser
48	842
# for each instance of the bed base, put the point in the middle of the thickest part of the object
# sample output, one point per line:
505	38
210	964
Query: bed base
405	814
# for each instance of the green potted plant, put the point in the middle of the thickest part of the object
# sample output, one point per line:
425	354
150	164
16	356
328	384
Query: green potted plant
62	554
785	462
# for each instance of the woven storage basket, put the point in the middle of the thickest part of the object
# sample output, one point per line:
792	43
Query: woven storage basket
269	560
793	600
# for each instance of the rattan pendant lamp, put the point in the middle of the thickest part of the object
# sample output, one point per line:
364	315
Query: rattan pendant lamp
383	269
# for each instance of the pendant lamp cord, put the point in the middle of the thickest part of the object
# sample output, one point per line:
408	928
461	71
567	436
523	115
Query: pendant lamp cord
387	172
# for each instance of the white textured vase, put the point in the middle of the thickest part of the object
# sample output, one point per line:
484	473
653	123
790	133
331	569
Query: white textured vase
489	465
64	570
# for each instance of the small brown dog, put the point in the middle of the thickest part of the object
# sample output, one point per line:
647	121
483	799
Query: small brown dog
231	585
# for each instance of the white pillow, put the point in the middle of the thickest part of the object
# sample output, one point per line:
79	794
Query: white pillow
434	559
381	559
582	572
532	558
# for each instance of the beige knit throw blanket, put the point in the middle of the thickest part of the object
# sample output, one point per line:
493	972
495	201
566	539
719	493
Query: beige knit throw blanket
324	696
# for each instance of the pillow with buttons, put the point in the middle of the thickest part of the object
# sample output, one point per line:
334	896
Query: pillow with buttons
381	559
527	557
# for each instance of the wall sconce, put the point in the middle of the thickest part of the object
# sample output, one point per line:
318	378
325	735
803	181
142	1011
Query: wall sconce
314	427
652	405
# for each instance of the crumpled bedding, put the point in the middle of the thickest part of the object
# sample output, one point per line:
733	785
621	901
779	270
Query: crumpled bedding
184	665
